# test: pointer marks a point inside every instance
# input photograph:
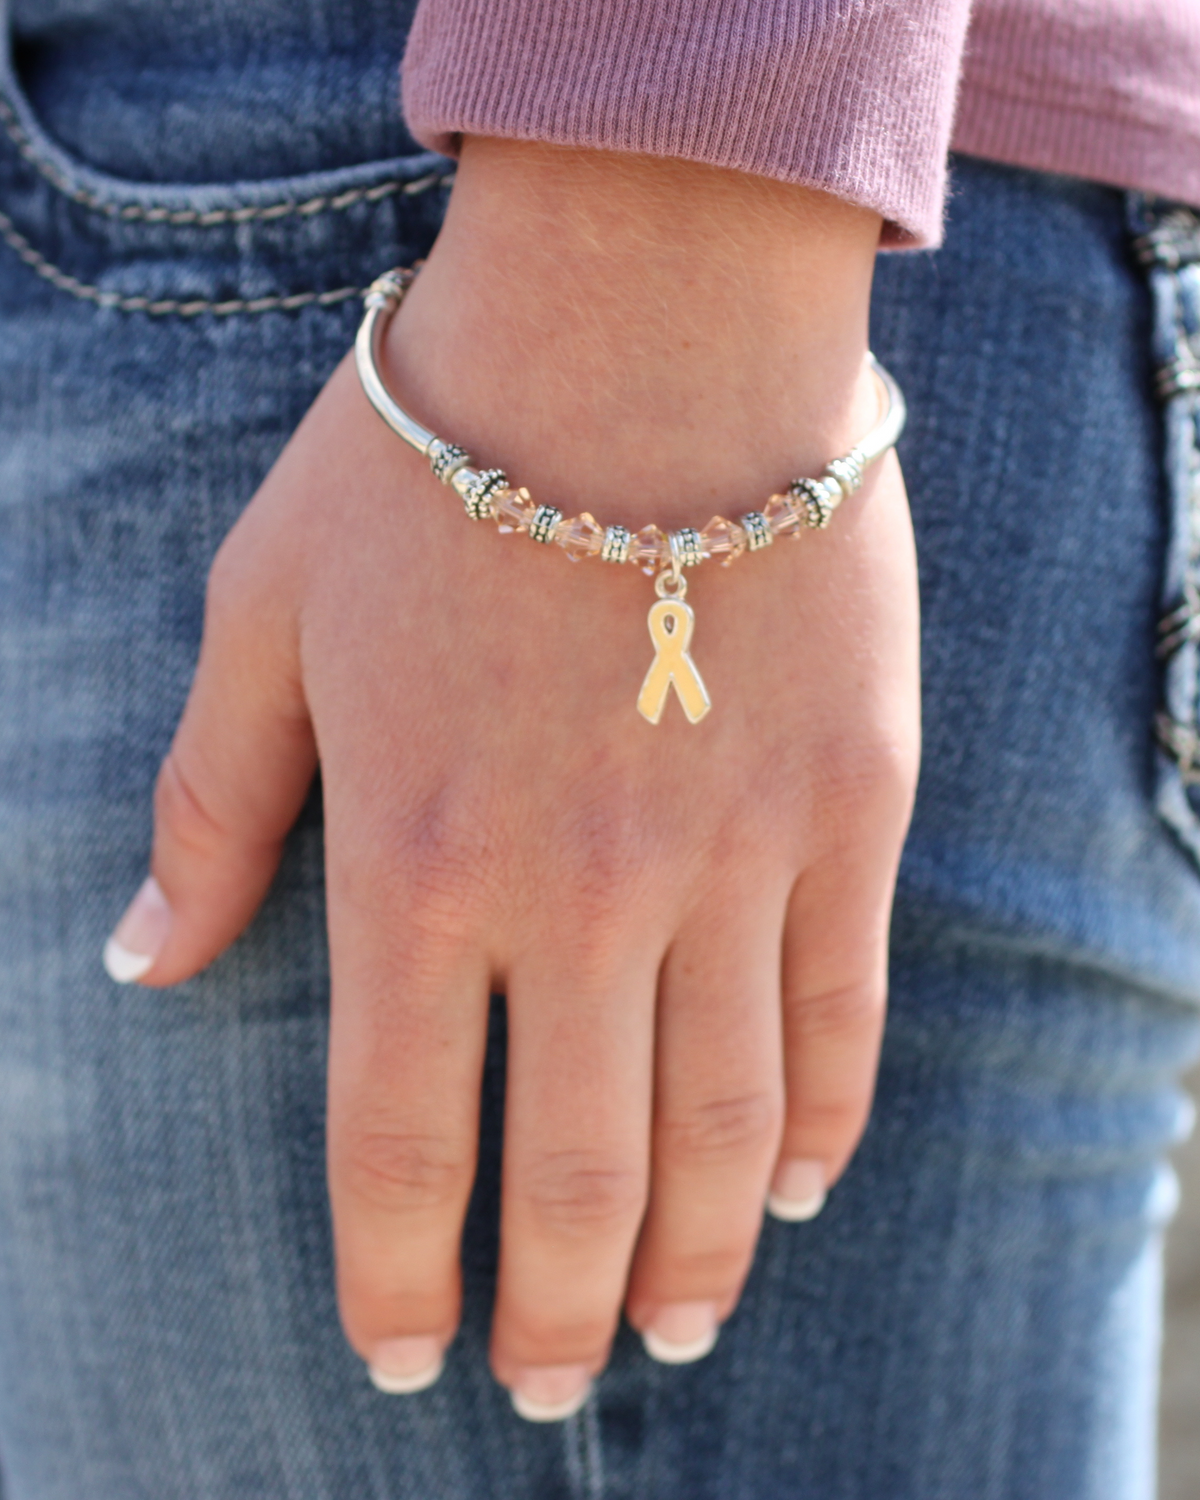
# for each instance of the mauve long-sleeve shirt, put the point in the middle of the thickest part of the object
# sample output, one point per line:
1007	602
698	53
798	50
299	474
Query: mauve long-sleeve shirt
861	98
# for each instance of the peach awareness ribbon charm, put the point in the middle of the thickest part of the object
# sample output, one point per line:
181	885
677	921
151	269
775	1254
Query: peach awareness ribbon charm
671	623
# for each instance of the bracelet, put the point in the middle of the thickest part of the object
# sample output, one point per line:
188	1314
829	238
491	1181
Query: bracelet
806	504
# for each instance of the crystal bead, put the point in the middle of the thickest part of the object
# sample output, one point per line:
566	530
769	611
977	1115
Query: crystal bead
723	539
580	536
514	510
649	550
782	516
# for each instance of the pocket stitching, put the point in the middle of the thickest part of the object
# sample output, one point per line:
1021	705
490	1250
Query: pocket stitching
213	218
168	306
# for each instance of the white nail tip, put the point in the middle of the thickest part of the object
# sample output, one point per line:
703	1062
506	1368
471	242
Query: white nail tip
795	1210
406	1385
678	1354
124	966
546	1411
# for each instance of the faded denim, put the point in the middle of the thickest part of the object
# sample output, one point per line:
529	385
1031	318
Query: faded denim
189	198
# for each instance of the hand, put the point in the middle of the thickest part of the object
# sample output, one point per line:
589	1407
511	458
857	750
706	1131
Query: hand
690	923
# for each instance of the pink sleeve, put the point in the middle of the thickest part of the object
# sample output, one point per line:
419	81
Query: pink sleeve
852	96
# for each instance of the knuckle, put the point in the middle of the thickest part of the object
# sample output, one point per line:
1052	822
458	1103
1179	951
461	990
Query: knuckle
401	1172
181	811
874	774
722	1130
429	866
605	853
543	1334
577	1193
850	1009
696	1270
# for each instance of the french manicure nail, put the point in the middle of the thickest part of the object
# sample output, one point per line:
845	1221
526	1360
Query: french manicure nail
681	1332
140	934
401	1367
550	1393
797	1192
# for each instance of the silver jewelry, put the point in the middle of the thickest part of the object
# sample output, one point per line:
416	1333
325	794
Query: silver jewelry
814	500
480	490
615	546
545	519
446	459
487	493
757	529
685	547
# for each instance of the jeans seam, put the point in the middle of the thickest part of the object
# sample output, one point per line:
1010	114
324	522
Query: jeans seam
1168	246
212	218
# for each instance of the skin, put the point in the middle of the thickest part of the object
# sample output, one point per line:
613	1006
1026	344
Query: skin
690	923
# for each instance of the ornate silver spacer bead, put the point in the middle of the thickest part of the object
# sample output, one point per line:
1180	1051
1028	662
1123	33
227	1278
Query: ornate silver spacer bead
685	544
543	522
479	493
388	289
814	501
758	532
446	459
846	473
615	547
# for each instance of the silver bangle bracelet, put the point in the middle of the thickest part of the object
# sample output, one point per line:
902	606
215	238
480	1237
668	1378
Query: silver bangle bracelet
805	505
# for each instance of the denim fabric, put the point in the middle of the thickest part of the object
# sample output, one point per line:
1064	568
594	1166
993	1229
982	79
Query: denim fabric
975	1314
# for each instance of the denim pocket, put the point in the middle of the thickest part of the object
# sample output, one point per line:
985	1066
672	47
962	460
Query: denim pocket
1167	241
221	249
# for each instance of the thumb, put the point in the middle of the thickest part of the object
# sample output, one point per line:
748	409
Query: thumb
230	788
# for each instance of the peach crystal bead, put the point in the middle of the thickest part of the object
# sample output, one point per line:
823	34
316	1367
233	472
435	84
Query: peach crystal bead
580	536
650	550
514	510
781	516
723	539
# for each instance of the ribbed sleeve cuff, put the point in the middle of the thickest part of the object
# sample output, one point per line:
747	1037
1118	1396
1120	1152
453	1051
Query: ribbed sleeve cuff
855	97
1103	89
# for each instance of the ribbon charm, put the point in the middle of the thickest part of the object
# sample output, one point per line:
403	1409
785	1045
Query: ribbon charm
671	624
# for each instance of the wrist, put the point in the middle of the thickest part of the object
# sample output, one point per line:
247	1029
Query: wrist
626	332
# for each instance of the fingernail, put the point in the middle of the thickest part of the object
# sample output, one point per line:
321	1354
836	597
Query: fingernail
798	1191
139	935
401	1367
681	1332
550	1393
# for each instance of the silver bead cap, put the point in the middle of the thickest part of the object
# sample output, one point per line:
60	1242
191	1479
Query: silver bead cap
480	491
389	289
445	459
616	544
758	531
542	523
815	500
685	547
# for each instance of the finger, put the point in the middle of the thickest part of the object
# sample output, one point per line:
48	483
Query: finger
407	1041
717	1121
576	1159
230	788
835	998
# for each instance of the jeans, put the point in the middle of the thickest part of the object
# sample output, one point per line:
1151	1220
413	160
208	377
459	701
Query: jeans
190	197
